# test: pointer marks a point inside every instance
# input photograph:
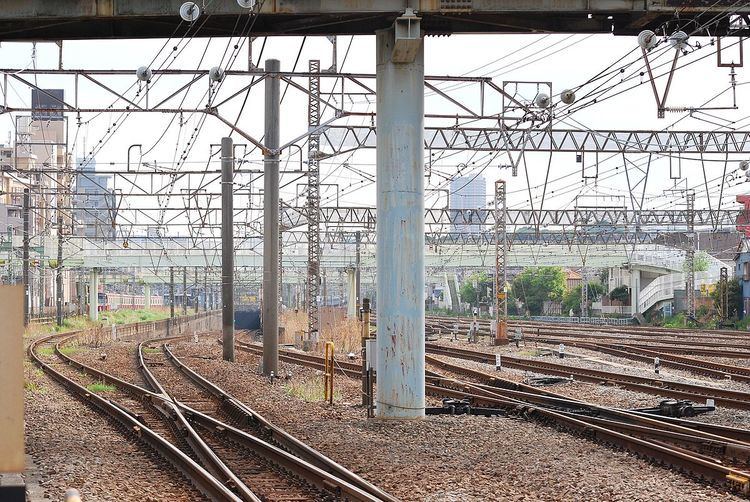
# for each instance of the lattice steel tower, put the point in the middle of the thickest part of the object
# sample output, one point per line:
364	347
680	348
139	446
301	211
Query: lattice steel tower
501	301
313	201
690	254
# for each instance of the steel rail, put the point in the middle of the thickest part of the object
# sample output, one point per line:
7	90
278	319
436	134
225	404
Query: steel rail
728	398
677	458
205	453
238	410
316	477
205	482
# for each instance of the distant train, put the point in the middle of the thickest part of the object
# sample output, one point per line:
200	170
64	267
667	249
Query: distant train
114	301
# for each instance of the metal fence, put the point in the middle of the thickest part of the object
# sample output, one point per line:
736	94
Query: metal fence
600	321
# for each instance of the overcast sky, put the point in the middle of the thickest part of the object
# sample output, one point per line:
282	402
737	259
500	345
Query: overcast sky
564	60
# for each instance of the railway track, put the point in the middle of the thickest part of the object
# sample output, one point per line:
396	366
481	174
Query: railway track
128	421
214	456
206	397
661	387
713	453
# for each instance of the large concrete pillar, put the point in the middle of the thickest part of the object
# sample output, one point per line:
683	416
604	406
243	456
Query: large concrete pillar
400	229
271	224
94	295
147	296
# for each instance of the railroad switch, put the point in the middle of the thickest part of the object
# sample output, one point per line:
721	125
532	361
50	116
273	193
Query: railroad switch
677	408
453	406
551	380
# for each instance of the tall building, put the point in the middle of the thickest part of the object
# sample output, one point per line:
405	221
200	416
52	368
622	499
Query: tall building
467	192
95	203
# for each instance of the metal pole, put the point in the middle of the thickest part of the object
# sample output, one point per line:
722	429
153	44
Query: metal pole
27	295
271	223
227	248
501	277
357	264
313	203
205	290
58	269
184	290
94	295
690	255
171	292
400	229
195	291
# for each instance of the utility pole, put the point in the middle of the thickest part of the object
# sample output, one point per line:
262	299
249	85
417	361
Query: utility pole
227	249
27	292
271	221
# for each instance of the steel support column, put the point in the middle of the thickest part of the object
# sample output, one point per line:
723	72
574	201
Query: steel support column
271	222
171	292
227	248
501	273
313	202
690	255
400	230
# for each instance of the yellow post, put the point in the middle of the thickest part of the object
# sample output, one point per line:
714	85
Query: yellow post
328	373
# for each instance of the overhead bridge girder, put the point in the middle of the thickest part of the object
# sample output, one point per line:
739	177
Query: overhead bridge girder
571	218
338	139
96	19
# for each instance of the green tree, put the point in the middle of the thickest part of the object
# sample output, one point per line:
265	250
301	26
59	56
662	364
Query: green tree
619	294
700	263
735	298
572	298
534	286
475	288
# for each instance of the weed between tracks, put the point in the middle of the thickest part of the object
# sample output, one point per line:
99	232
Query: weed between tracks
345	333
100	387
151	350
309	390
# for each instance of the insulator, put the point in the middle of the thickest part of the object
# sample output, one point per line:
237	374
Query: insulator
678	40
143	73
541	100
189	11
568	96
744	165
647	39
216	74
246	4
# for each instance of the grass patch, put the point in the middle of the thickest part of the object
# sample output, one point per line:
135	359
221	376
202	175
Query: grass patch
31	386
100	387
68	350
151	350
128	316
45	351
310	390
